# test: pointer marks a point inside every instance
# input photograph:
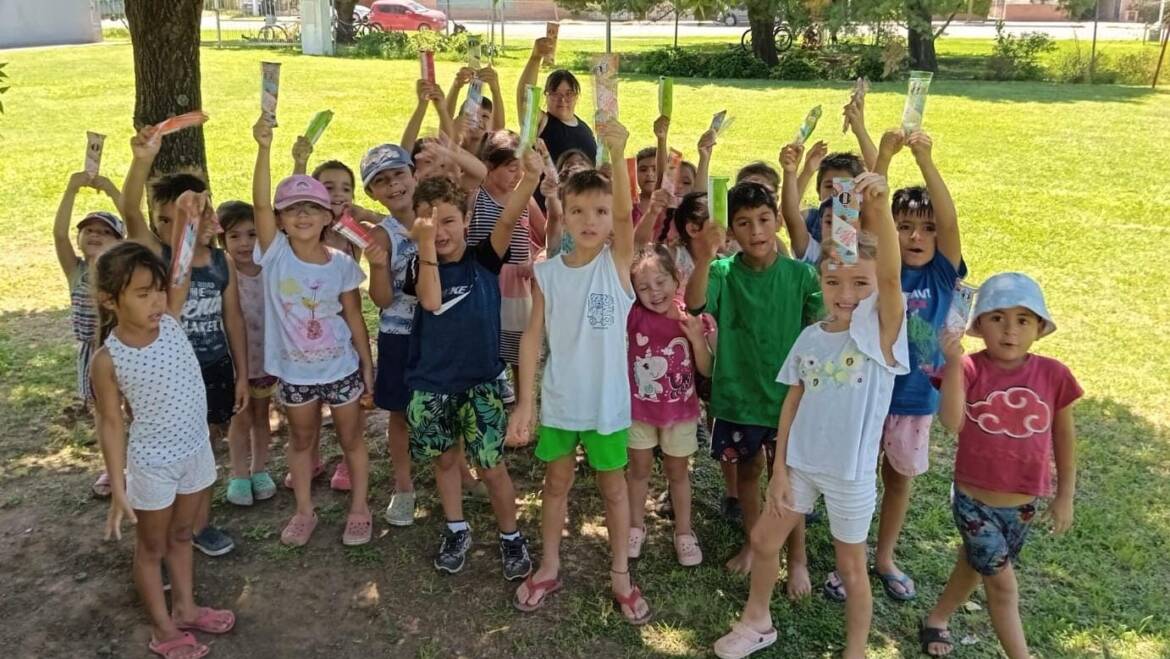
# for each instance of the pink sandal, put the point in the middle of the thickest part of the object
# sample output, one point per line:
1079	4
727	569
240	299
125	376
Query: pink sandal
358	530
183	647
545	588
742	641
210	621
630	601
299	530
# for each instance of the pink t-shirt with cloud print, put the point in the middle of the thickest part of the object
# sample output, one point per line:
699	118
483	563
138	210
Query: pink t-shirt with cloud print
662	369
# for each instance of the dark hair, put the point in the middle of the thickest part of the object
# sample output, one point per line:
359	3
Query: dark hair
748	195
588	180
334	164
555	79
914	200
841	160
485	103
231	213
440	189
648	152
499	148
660	253
690	211
112	273
418	147
168	187
759	168
569	153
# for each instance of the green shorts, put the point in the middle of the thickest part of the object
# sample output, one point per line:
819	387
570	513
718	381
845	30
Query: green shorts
476	416
604	452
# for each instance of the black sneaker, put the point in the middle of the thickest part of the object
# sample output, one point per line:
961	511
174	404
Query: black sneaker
453	551
514	556
213	542
732	512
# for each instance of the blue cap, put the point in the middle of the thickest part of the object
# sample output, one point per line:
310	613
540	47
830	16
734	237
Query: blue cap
1007	290
382	158
109	219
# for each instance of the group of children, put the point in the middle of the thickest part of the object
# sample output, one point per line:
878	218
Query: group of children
656	327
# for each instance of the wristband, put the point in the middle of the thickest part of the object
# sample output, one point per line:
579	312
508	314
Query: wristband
426	262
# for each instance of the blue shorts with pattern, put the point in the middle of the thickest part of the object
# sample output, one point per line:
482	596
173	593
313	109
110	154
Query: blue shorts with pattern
992	537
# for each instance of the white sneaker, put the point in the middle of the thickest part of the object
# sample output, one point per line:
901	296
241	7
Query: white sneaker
400	512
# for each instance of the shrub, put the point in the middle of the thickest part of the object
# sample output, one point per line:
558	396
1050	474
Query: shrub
1017	57
796	64
403	45
1136	68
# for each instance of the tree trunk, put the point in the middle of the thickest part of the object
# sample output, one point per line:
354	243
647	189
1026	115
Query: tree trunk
165	36
344	9
762	23
920	37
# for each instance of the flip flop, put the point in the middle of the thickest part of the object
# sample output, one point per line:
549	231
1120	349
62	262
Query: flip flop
546	588
101	487
183	647
358	530
834	588
210	621
299	530
742	641
908	593
928	636
629	601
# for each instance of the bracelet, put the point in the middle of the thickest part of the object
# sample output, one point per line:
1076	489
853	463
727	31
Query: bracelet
426	262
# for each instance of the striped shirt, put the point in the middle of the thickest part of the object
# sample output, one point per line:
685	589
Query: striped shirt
83	310
485	212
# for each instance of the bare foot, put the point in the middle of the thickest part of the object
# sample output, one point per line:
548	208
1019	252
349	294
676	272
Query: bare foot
799	585
741	563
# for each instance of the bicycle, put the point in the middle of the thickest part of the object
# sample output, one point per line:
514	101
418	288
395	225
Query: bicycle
782	35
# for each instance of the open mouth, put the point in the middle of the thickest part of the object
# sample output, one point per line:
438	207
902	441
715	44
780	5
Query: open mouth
155	317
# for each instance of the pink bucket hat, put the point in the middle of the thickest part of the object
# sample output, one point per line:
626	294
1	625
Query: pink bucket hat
298	188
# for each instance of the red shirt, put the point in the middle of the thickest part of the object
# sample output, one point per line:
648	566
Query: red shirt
1006	441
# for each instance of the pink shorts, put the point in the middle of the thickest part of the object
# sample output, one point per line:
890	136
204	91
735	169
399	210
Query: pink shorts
906	442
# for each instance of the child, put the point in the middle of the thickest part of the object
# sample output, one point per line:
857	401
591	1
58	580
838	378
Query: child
490	111
806	232
760	173
1013	411
666	348
760	302
148	362
583	298
314	336
647	172
211	316
248	434
840	376
96	232
454	360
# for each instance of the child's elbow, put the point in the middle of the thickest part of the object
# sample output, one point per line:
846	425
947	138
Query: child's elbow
430	304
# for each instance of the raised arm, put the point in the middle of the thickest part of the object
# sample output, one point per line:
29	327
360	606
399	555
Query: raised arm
427	286
446	122
66	256
540	48
661	148
644	231
855	115
877	219
517	201
555	215
892	142
615	135
492	79
189	204
144	150
422	89
462	77
808	172
790	200
946	217
706	146
301	152
704	247
262	185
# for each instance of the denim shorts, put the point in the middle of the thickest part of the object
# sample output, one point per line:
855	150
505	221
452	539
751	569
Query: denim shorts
992	537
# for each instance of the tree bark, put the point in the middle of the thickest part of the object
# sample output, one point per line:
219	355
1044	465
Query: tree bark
344	9
165	36
762	23
920	36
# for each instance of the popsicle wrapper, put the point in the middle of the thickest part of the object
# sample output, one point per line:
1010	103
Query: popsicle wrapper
426	65
472	104
960	310
269	88
530	122
670	176
605	97
551	30
190	207
665	96
94	142
720	122
178	123
860	87
474	53
632	175
809	125
846	221
317	125
916	100
717	199
353	231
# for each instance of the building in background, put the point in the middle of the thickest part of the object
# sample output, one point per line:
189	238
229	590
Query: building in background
45	23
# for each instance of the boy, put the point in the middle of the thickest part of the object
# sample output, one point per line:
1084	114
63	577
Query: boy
761	302
490	110
583	297
454	360
211	316
806	232
646	162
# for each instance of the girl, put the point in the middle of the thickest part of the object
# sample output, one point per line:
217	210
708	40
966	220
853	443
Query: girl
248	434
96	232
148	362
315	339
1013	412
666	347
840	374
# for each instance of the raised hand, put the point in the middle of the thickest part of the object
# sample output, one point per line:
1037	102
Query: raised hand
423	229
920	145
706	143
143	145
872	187
816	154
790	157
661	127
543	46
302	149
892	142
262	132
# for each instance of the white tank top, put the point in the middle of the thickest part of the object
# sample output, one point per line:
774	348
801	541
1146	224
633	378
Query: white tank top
585	384
164	387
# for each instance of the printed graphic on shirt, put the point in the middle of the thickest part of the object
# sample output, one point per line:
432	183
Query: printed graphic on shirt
666	376
600	310
202	317
313	341
844	371
920	332
1017	412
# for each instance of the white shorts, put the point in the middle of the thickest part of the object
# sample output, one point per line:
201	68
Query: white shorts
155	488
850	503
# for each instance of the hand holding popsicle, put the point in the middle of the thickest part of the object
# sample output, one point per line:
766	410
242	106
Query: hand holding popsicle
143	145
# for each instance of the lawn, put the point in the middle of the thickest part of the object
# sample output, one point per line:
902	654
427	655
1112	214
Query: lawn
1046	179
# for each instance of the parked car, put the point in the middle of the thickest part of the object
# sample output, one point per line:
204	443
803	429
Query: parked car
406	15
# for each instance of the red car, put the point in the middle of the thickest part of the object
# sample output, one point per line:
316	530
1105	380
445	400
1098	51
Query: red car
405	15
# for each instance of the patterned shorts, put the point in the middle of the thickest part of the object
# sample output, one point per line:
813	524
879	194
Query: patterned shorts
992	537
439	421
739	442
334	394
263	387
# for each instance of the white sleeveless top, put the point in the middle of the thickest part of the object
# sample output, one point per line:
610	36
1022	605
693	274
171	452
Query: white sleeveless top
164	387
585	384
398	318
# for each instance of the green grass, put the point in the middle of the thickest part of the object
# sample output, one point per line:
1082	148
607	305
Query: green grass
1066	183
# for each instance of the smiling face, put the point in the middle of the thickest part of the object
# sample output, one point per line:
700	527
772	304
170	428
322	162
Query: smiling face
654	286
450	229
340	186
845	286
1009	333
917	237
394	189
142	303
305	220
95	237
755	231
589	217
562	101
240	240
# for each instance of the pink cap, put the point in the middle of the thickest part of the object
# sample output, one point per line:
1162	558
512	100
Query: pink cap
298	188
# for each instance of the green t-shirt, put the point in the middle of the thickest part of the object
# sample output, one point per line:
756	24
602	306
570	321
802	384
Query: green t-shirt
760	315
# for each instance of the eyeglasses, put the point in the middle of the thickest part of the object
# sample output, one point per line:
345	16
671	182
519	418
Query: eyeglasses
562	96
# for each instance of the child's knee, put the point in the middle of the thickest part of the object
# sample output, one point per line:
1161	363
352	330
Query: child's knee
613	487
302	439
449	459
497	475
749	471
677	470
1001	586
151	548
556	485
640	469
767	536
180	534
